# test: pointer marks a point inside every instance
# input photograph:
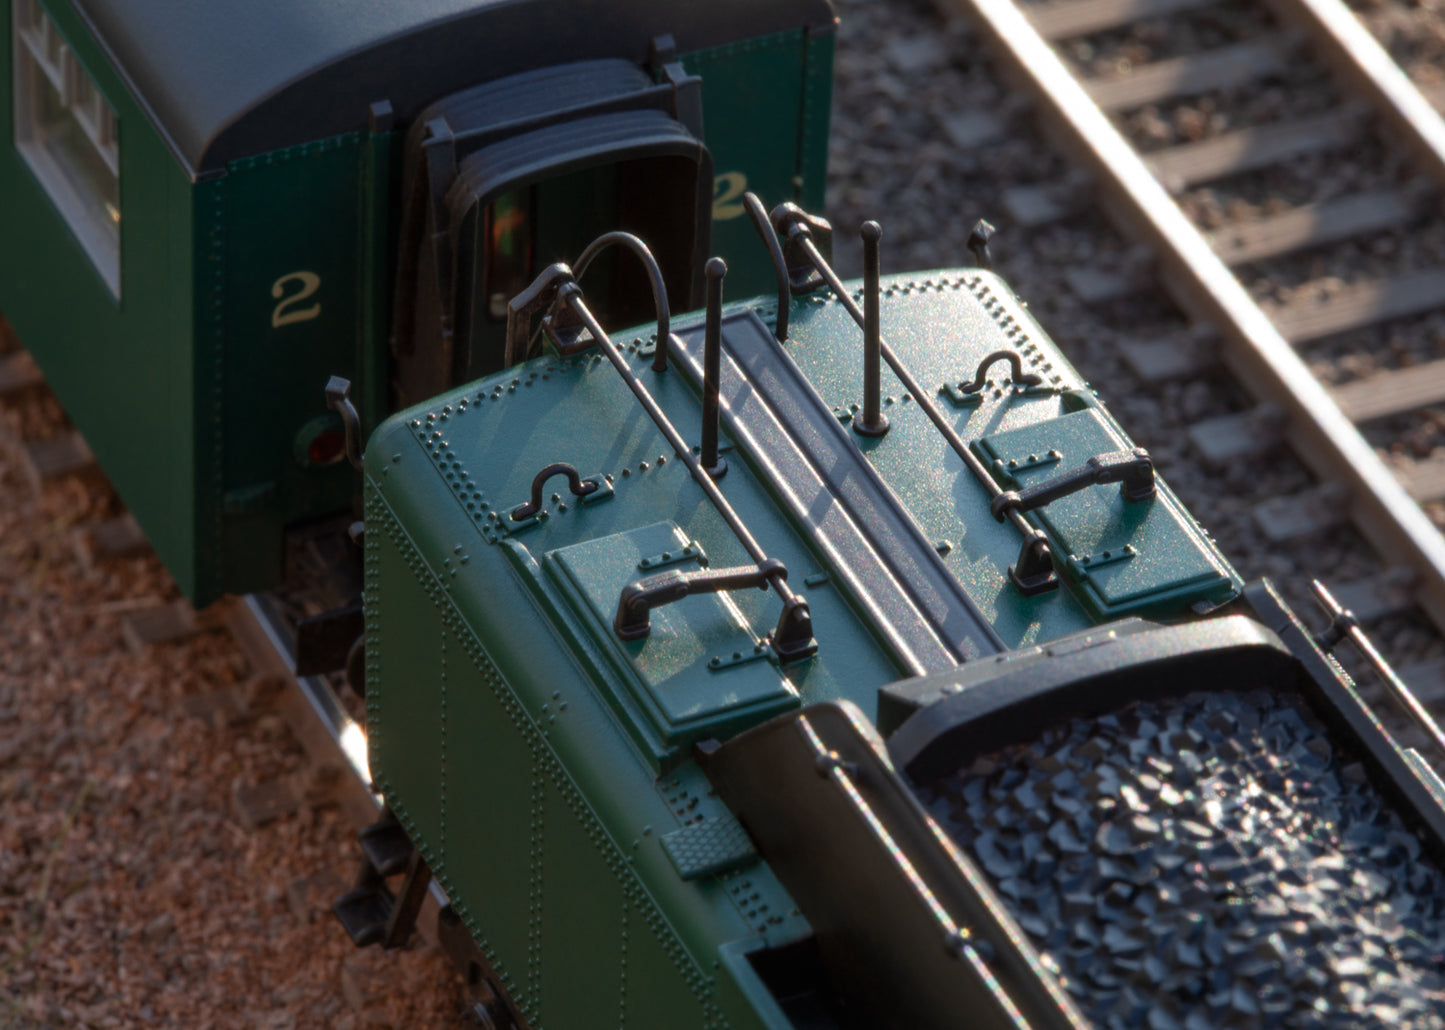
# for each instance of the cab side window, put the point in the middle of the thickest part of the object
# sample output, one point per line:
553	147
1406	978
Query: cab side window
67	134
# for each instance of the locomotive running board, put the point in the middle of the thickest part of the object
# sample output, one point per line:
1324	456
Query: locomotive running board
873	545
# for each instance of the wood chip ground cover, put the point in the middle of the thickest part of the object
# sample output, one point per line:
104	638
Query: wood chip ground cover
130	894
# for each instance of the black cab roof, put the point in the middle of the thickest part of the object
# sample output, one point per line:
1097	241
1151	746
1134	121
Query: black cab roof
226	80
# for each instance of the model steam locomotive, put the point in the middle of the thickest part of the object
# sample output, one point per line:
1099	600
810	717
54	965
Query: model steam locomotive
834	659
830	658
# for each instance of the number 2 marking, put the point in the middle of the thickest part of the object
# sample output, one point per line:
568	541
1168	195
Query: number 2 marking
727	188
309	283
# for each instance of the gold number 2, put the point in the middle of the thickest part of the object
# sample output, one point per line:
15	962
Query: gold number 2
286	312
727	188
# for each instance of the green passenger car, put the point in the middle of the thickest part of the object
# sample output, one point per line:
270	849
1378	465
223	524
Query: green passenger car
205	210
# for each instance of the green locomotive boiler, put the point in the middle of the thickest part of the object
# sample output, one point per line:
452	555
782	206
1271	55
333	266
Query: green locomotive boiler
834	659
208	208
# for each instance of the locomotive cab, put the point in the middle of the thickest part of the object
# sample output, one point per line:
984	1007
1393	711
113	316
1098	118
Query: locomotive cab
506	178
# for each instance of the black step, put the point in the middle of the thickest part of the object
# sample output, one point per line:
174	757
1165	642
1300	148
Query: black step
386	847
365	913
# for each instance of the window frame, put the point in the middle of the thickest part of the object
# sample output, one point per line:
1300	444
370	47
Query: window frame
46	69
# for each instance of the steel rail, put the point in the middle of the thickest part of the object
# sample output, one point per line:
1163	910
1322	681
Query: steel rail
1355	55
320	723
1253	349
343	735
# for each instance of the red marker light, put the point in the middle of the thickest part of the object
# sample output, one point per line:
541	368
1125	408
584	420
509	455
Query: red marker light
326	448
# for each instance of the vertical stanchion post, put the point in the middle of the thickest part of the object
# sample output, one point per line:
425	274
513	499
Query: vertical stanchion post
978	241
712	462
872	422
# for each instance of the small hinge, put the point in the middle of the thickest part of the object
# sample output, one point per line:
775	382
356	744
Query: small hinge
693	551
1085	564
727	661
955	393
1010	467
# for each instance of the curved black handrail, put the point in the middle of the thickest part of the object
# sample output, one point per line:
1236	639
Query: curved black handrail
759	216
1016	371
654	276
792	220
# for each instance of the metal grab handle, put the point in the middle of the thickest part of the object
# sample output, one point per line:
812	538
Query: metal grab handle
791	220
521	308
338	399
543	291
1016	372
1344	624
793	637
1132	468
557	468
654	277
634	607
759	216
801	234
957	939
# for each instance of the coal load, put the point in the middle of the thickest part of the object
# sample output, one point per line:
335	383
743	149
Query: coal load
1207	862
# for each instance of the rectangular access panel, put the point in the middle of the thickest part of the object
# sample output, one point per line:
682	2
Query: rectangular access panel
1120	557
701	672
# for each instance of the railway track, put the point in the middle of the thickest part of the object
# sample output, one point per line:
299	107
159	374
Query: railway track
1294	289
1410	34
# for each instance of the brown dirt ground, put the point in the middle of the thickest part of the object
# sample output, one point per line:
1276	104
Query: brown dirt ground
130	893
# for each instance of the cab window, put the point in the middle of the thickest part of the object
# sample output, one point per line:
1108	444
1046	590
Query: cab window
67	134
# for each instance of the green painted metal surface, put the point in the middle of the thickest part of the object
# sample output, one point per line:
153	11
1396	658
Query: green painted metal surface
942	325
540	817
122	367
701	672
557	753
766	105
186	388
293	245
1120	557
